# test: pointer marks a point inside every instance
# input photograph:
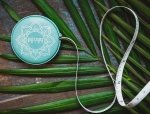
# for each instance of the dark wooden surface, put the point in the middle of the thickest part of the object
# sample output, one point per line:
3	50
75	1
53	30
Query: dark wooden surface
9	101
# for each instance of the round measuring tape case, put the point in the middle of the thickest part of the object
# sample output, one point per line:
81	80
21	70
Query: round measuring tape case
35	39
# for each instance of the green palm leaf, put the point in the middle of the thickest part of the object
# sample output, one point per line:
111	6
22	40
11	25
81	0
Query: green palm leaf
60	59
92	25
90	19
11	11
58	86
4	38
130	58
55	71
140	7
129	94
130	68
142	38
66	104
137	47
80	24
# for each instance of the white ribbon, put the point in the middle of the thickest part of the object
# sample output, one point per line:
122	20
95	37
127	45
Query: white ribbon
117	84
76	79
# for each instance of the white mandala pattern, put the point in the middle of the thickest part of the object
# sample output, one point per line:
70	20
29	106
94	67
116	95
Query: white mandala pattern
43	43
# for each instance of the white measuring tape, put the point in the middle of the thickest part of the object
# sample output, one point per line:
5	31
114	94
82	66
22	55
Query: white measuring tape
146	90
76	79
44	55
118	82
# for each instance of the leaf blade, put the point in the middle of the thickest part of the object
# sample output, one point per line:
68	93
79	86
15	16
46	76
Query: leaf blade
66	104
80	25
55	71
52	14
60	59
58	86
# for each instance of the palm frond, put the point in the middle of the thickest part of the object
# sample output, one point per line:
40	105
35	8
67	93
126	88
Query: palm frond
142	38
55	71
66	104
60	59
80	25
58	86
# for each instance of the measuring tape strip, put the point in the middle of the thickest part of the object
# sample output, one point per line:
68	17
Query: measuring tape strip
118	82
76	90
146	90
76	80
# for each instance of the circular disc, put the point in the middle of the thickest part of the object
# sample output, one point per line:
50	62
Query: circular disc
35	39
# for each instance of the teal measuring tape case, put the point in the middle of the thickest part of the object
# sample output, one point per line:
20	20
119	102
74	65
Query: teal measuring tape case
35	39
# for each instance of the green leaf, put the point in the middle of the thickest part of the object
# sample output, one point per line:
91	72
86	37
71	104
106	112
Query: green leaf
58	86
128	92
60	59
130	58
142	105
142	38
113	3
64	46
140	7
104	47
133	54
66	104
90	19
116	110
9	56
80	25
135	88
13	14
137	47
4	38
143	22
121	13
55	71
108	27
52	14
130	68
